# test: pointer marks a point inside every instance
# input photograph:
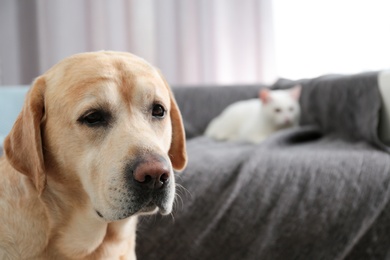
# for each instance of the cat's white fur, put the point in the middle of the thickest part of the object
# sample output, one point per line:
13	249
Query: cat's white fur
255	119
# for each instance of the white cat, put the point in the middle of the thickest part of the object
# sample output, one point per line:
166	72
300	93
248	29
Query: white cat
255	119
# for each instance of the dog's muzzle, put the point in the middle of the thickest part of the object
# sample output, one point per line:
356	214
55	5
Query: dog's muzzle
147	185
151	179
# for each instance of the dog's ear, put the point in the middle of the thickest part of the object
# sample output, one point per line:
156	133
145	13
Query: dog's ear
177	152
23	145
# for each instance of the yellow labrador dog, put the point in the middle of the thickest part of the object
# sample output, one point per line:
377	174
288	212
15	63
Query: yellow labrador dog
93	148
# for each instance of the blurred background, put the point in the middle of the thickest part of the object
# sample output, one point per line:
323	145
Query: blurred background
199	42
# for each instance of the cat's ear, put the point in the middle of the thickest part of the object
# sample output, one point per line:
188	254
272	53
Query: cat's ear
296	91
264	95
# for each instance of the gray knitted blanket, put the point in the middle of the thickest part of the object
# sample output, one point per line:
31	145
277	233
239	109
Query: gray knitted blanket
318	191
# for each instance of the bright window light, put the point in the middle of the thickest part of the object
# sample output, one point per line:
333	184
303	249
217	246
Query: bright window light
331	36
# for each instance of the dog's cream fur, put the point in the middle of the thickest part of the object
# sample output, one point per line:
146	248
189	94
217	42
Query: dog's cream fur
63	189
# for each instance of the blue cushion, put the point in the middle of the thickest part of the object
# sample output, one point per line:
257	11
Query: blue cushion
11	102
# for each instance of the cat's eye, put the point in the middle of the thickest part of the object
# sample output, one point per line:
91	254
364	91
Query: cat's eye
277	110
291	109
158	111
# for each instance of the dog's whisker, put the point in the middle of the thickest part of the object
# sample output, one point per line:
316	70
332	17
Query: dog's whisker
178	203
172	217
181	188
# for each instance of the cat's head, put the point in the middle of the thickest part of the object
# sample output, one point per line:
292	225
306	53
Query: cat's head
281	107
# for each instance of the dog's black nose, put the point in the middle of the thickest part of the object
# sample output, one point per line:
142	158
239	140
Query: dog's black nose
152	173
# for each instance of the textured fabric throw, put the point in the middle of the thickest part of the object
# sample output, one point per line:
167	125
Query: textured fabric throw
318	191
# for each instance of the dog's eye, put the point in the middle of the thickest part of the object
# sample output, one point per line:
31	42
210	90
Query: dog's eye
158	111
95	118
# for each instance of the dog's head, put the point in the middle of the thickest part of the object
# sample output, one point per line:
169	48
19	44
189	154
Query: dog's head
107	123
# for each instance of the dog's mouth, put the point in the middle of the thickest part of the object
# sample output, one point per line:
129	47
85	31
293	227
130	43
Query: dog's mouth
164	208
149	208
140	205
161	204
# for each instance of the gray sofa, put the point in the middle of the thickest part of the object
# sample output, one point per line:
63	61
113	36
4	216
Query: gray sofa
318	191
